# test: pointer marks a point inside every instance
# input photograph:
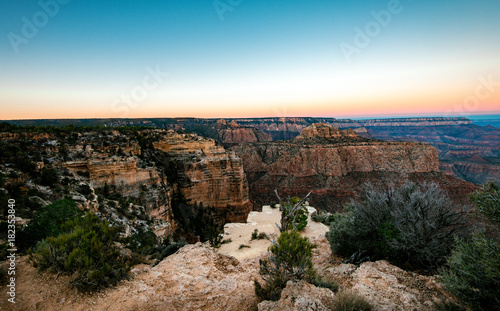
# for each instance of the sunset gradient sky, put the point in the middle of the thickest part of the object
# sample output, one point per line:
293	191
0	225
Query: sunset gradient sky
242	58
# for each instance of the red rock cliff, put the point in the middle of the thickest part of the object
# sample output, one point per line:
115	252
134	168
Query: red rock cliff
334	165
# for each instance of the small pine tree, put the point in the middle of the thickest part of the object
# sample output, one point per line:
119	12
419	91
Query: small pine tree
86	249
290	259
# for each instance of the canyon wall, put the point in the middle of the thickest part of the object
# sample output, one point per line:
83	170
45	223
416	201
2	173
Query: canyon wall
335	164
206	175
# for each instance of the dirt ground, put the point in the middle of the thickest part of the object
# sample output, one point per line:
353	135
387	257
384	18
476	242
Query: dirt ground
265	221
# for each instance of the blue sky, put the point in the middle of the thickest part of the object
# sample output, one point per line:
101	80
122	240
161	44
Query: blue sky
264	58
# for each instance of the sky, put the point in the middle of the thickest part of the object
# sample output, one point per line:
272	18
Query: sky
248	58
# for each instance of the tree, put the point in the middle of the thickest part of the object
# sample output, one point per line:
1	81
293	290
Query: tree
290	259
292	214
47	222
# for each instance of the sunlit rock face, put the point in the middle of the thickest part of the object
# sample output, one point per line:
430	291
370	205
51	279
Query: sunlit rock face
206	175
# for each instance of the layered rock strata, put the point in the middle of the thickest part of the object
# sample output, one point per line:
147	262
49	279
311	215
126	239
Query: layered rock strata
206	175
334	165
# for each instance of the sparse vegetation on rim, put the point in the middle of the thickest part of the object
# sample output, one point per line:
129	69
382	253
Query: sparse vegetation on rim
413	226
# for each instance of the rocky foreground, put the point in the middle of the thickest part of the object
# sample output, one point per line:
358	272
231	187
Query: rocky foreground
198	277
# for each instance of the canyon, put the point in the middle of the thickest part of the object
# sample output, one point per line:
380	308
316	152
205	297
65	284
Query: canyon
459	140
334	165
175	179
180	184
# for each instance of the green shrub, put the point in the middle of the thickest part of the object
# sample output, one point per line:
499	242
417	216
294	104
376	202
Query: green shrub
214	235
49	177
271	290
258	236
142	241
47	222
487	201
84	189
473	272
350	301
324	218
290	259
86	250
243	246
296	210
413	226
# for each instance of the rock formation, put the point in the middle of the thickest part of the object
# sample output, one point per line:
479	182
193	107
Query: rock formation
456	138
206	175
334	165
171	177
300	296
197	277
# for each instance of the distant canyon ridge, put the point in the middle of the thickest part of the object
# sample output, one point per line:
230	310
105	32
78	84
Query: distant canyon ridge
465	150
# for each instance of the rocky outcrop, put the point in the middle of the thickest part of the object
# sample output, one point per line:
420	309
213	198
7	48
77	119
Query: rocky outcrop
162	174
323	130
298	296
233	136
478	172
120	172
456	138
206	175
198	277
335	167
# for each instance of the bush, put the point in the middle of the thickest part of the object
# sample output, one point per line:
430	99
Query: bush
49	177
350	301
85	249
324	218
243	246
294	213
487	201
142	241
290	259
258	236
47	222
166	249
473	269
413	226
473	272
214	235
272	288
